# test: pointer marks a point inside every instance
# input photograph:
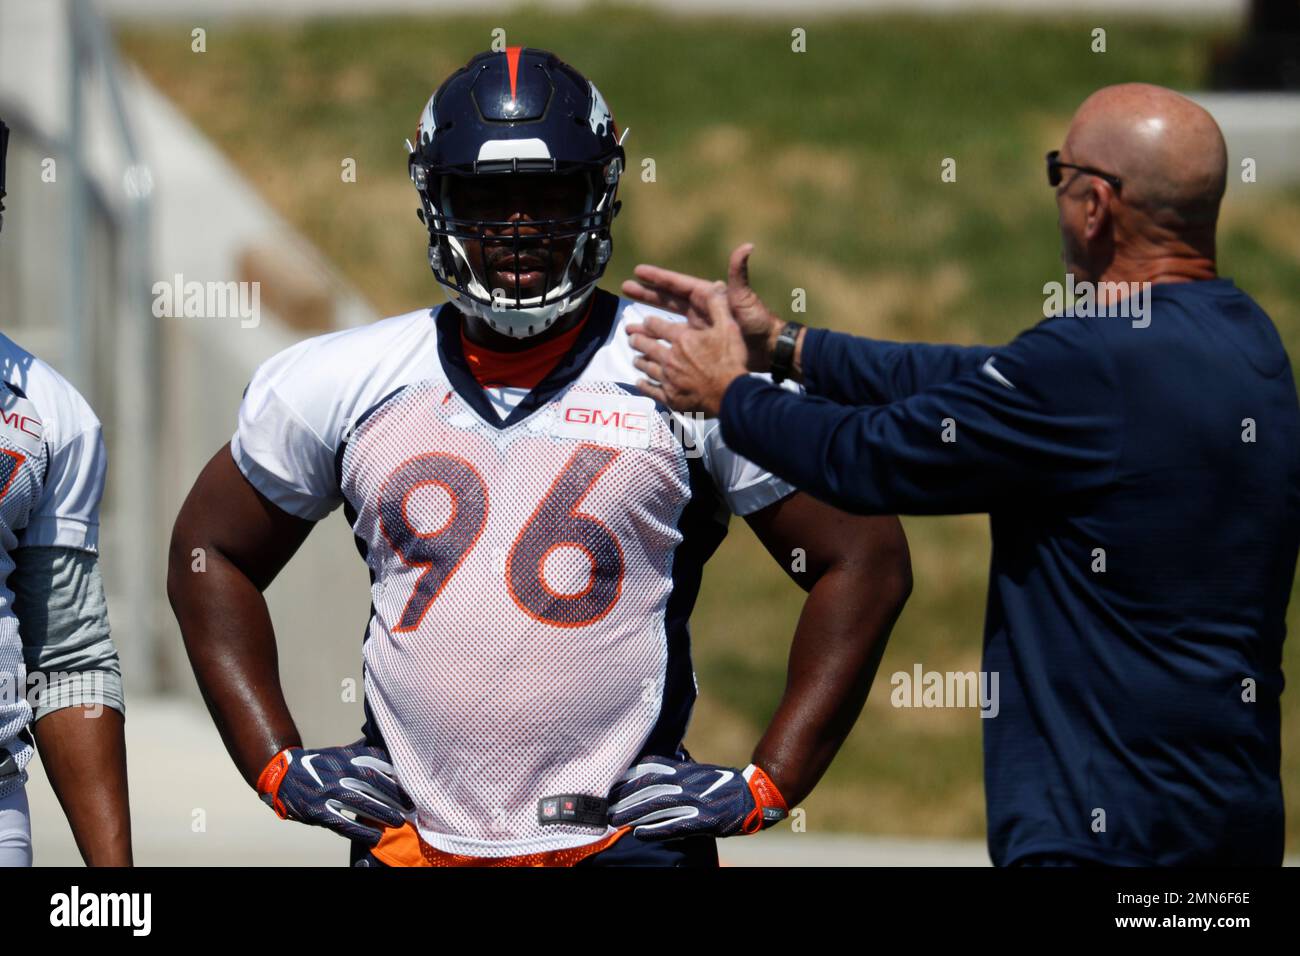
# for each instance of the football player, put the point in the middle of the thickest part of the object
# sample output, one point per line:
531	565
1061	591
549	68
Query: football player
60	681
535	532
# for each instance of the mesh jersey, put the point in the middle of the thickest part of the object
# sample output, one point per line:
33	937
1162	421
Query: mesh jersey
532	572
52	464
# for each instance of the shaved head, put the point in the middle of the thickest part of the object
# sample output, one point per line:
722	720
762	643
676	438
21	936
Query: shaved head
1171	160
1168	151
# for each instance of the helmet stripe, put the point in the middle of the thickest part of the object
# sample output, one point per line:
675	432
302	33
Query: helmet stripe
512	61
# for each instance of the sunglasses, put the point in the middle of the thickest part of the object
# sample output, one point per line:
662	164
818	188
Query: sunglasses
1054	167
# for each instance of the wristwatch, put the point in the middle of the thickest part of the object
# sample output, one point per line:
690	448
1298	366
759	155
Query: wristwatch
783	352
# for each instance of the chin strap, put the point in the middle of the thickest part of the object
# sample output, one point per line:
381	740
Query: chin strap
498	319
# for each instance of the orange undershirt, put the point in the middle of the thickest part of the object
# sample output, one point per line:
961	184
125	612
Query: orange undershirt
522	369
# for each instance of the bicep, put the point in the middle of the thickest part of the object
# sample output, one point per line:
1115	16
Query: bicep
227	519
807	537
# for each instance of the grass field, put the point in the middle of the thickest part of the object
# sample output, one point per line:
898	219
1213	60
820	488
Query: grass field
830	161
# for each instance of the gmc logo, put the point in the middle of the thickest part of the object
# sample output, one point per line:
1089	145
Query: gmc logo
21	422
630	421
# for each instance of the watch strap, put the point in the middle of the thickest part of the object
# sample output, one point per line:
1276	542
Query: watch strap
783	352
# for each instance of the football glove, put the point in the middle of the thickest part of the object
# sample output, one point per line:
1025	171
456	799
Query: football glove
351	790
663	798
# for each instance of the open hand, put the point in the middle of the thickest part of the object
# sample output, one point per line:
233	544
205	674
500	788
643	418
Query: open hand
688	368
689	296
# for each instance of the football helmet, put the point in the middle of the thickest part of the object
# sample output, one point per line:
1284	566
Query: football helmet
518	113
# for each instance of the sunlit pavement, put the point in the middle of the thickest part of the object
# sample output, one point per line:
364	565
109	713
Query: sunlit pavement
190	808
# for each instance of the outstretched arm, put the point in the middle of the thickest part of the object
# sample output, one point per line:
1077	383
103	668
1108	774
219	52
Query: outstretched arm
1042	417
1044	420
843	368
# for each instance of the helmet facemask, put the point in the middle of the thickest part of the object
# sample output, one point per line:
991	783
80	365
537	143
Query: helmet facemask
520	269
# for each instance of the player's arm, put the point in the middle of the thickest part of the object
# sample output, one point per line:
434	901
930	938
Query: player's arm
76	686
858	575
76	683
227	546
83	751
244	541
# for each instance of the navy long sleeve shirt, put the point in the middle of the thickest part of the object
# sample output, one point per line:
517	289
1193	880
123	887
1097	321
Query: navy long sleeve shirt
1143	486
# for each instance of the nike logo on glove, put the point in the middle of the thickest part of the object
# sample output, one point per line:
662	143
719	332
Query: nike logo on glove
724	777
306	765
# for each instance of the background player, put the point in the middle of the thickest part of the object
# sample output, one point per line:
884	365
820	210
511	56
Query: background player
534	529
54	635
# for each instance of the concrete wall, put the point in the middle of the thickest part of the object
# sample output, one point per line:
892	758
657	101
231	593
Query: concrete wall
207	224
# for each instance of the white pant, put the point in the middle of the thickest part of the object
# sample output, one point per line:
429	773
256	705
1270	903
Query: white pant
15	830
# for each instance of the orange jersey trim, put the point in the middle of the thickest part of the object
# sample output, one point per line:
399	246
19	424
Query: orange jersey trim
402	846
522	369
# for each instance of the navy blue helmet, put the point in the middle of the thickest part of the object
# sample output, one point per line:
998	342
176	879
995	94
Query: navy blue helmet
519	112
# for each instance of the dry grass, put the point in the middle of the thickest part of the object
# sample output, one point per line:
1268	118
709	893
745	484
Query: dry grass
830	163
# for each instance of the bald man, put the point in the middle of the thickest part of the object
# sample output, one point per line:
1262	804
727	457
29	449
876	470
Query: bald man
1142	478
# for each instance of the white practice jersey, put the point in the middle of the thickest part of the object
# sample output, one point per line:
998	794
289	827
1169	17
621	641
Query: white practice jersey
534	559
52	465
